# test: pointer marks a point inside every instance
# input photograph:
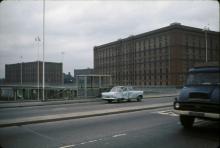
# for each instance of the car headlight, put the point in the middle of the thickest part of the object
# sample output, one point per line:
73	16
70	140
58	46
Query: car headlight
176	105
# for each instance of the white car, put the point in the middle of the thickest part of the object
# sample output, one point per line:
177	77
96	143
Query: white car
119	93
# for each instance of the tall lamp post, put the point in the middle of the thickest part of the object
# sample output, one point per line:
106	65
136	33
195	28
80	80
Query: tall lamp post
62	58
62	53
21	69
37	39
43	49
206	43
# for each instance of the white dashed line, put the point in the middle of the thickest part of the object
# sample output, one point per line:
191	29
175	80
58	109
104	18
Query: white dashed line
118	135
83	143
67	146
92	141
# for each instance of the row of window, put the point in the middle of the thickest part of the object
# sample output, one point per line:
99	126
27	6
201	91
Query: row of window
200	40
140	44
155	51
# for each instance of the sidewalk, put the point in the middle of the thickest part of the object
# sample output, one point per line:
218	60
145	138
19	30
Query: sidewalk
78	100
50	102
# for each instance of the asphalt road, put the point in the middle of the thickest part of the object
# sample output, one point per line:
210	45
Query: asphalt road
142	129
18	112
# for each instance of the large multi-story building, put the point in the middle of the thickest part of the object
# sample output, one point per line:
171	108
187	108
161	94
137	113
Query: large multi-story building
158	57
27	73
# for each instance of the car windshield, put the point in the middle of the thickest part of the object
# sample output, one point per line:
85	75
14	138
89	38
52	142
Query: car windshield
116	89
203	79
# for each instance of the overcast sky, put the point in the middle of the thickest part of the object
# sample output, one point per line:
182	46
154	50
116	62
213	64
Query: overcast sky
75	27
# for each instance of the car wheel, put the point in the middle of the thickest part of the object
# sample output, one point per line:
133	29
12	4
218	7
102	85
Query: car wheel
139	98
187	121
118	100
129	100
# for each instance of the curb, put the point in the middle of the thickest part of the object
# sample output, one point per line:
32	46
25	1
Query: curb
50	103
77	101
148	97
60	117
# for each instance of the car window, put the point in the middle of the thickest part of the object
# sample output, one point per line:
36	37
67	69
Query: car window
130	88
116	89
124	89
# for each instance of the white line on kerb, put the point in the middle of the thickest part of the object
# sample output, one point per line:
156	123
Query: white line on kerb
118	135
67	146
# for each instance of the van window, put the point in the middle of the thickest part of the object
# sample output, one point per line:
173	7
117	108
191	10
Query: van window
203	78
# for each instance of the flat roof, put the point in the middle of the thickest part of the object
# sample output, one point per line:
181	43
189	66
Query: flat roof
35	86
93	75
35	62
163	29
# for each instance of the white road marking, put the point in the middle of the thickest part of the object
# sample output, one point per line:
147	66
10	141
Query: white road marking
173	114
199	121
92	141
67	146
166	112
118	135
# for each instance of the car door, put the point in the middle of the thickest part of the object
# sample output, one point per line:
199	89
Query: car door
125	93
129	92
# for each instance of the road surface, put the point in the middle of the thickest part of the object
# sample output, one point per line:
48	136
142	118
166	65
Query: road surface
154	128
19	112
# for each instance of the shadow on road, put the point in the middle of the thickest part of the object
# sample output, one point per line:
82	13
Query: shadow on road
204	129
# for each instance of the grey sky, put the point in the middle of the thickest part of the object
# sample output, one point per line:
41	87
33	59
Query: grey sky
75	27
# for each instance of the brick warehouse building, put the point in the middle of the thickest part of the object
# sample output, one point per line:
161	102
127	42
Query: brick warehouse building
158	57
53	73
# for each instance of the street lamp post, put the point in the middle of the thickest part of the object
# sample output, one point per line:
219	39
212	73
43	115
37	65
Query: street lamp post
206	43
37	39
43	49
21	70
62	59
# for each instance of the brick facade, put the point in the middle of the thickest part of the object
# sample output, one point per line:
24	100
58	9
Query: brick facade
159	57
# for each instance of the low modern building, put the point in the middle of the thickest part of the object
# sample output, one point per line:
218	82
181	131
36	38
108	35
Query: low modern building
158	57
87	71
31	72
91	85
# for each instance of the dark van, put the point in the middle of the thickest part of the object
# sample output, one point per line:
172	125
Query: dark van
199	98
